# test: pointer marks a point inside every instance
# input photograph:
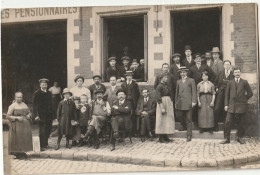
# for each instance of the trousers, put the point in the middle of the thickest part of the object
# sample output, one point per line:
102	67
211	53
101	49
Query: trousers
187	116
44	132
231	119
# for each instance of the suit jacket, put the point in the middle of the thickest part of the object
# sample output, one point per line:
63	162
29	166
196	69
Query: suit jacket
221	80
196	73
124	111
110	95
67	111
174	71
237	95
151	104
186	94
42	105
138	75
134	89
217	66
187	64
93	88
171	82
110	72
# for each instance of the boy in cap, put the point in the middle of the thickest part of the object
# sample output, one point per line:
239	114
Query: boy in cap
66	115
113	70
43	112
96	86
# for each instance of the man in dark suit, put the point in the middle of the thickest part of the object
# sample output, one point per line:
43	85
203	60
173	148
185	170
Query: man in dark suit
171	82
110	94
176	66
121	117
237	94
220	83
146	108
132	94
43	113
188	61
113	70
186	99
217	65
96	86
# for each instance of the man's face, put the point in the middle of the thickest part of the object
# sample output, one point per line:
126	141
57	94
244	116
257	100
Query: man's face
67	95
112	63
121	95
43	85
97	80
135	65
125	62
164	79
227	65
99	96
145	93
183	74
205	77
83	99
18	97
113	81
188	53
142	61
79	82
165	68
198	59
56	84
237	73
176	60
215	56
129	77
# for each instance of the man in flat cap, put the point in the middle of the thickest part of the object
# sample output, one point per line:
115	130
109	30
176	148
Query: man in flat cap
121	117
217	65
113	70
42	112
96	86
188	61
176	57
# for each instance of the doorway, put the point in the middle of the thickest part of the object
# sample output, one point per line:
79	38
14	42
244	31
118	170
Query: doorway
31	51
124	36
199	28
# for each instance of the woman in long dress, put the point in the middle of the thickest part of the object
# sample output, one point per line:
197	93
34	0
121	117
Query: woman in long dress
206	98
20	132
165	123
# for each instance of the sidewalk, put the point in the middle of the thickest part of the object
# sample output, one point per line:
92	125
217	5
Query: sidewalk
179	153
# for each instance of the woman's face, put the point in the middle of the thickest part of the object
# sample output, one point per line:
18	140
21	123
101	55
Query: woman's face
18	97
205	77
79	82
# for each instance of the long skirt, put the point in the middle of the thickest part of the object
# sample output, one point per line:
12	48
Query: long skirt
205	112
20	137
98	122
165	124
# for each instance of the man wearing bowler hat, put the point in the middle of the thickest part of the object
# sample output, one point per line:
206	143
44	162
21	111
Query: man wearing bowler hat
188	61
113	70
96	86
42	112
186	99
217	65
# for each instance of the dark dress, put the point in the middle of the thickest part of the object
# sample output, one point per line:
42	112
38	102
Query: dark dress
20	132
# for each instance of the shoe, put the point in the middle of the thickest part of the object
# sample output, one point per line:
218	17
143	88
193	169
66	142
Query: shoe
96	146
226	141
112	147
57	147
211	131
239	140
80	143
181	129
48	147
43	149
216	129
161	140
115	135
150	134
166	139
201	131
188	139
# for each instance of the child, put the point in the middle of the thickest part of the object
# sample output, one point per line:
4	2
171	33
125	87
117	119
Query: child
84	116
65	113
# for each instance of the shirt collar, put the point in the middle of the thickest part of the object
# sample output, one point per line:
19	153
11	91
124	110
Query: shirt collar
204	82
99	100
129	82
43	90
122	101
184	78
147	98
66	99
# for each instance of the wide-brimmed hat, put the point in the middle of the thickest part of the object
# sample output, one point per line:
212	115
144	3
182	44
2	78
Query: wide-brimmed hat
78	77
183	68
111	58
127	73
96	76
187	47
215	50
99	91
43	80
65	91
121	90
125	58
176	55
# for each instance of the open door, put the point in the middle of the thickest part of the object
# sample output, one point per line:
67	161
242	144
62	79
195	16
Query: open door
104	46
145	48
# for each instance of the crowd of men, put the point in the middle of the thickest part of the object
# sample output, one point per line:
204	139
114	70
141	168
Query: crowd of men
126	110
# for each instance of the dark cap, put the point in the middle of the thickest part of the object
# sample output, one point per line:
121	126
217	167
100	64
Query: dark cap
187	47
111	58
127	73
197	55
120	90
97	76
176	55
43	80
125	58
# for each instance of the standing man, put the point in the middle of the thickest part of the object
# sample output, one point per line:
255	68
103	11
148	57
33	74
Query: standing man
132	94
208	58
96	86
186	99
113	70
220	83
188	61
217	65
176	57
237	94
110	94
42	112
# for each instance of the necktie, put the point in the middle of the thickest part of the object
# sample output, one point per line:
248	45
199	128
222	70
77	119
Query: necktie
237	80
226	73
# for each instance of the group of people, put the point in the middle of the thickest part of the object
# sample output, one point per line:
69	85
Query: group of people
198	88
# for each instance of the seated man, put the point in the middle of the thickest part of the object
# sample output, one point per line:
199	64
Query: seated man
121	117
100	111
146	109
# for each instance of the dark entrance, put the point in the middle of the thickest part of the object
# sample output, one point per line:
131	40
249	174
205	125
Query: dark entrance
124	33
199	28
31	51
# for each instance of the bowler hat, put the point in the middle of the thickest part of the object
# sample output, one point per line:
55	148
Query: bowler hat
65	91
128	73
111	58
43	80
176	55
96	76
183	68
215	50
78	77
125	58
99	91
120	90
187	47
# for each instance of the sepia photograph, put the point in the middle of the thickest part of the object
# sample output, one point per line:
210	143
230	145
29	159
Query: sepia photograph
130	88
